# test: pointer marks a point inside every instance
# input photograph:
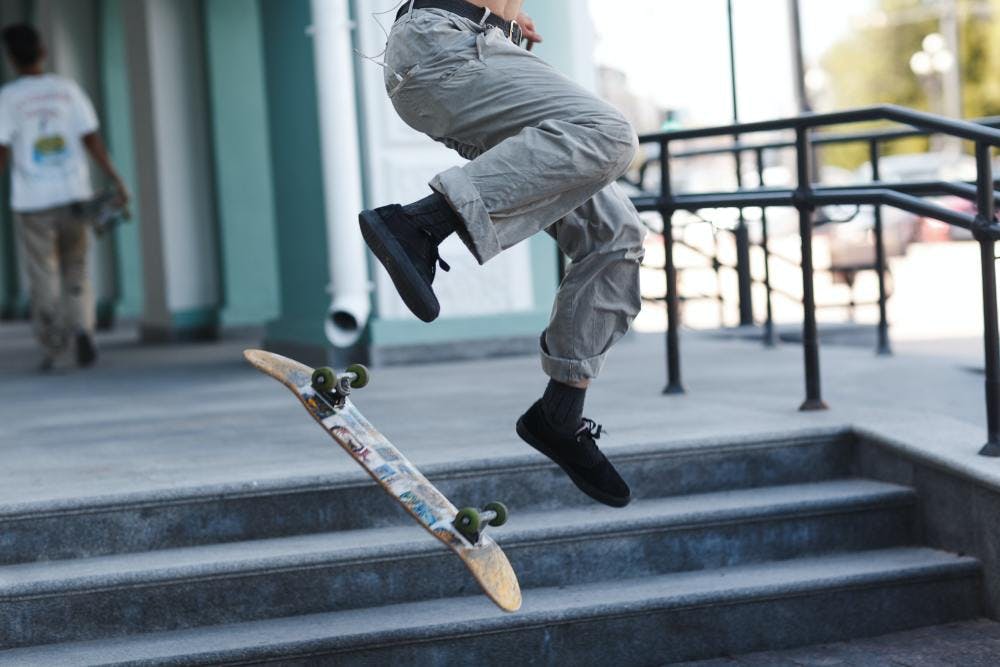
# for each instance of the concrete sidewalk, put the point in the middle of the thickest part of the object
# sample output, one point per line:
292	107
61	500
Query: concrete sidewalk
177	417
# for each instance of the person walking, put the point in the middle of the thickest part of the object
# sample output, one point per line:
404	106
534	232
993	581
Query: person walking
47	128
544	155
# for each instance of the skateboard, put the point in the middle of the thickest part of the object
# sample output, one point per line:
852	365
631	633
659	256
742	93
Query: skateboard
104	212
325	394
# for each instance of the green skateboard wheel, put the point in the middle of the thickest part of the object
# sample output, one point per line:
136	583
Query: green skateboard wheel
362	375
324	379
501	512
467	521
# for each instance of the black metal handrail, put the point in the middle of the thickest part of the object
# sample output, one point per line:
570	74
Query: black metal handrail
715	264
742	239
919	120
825	139
806	196
873	139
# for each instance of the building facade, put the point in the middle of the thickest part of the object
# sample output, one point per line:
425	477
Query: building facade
251	132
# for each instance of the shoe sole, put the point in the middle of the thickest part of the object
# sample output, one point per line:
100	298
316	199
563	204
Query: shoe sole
582	484
417	296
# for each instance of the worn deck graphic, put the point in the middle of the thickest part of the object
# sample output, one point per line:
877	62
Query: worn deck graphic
400	478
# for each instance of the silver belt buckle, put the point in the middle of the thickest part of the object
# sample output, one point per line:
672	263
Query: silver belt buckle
515	35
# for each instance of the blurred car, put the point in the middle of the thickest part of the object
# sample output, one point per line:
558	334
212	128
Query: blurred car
852	243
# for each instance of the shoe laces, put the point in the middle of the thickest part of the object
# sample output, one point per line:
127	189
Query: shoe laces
587	436
589	428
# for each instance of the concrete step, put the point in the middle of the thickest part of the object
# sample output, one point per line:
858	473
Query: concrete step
652	620
974	643
82	528
213	584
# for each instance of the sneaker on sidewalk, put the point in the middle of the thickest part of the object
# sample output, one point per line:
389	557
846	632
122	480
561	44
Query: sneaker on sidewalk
47	364
577	454
405	240
56	362
86	351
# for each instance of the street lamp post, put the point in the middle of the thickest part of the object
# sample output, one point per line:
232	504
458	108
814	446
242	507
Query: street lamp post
744	278
798	61
932	64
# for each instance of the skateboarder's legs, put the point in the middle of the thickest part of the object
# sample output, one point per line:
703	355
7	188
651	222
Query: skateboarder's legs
544	151
544	155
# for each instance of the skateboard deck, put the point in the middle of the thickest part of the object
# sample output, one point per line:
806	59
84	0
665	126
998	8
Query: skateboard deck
397	476
104	211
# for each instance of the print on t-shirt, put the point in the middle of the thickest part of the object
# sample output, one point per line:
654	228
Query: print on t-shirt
50	148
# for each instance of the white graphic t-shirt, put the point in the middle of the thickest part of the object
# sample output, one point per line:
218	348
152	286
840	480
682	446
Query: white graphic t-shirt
42	120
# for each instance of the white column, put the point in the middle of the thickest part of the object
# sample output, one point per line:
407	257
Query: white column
173	160
338	124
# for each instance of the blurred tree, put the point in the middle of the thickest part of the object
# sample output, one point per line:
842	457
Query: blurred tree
872	66
980	60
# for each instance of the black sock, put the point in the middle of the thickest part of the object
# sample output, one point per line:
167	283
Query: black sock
434	214
562	405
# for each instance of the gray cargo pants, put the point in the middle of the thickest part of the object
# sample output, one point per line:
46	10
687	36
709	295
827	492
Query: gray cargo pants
545	154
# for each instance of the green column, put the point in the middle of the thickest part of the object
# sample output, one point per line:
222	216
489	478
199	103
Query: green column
298	193
13	303
242	161
116	120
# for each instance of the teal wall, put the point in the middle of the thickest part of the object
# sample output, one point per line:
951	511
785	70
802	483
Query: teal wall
297	177
10	289
268	190
116	117
242	161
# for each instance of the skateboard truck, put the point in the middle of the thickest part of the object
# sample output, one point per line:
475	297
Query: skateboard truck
338	387
472	523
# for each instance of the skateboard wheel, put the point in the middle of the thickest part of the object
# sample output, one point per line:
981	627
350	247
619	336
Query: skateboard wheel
467	521
501	513
324	379
362	375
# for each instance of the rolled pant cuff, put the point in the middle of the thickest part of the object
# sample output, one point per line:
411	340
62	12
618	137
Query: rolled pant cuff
479	234
570	371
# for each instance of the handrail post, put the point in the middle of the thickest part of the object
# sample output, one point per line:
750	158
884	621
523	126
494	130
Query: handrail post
880	263
720	292
666	210
744	280
769	322
991	336
810	339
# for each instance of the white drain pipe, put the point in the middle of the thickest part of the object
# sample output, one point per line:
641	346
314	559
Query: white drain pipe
350	303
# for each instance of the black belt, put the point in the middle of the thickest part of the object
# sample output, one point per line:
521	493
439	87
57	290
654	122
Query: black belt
469	11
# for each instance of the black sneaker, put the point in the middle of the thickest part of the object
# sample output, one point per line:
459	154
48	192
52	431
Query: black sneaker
409	252
577	454
86	351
